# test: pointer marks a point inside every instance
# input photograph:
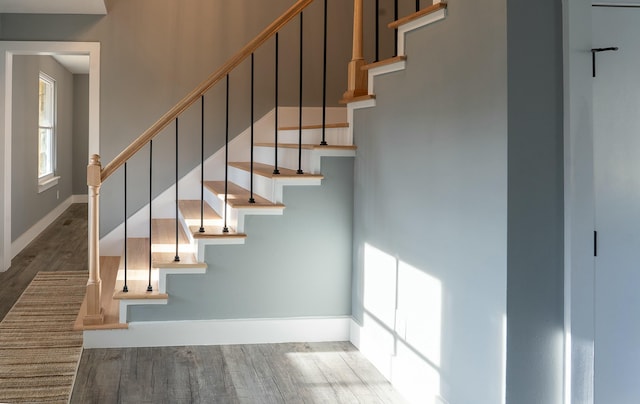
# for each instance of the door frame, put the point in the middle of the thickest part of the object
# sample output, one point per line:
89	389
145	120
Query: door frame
8	49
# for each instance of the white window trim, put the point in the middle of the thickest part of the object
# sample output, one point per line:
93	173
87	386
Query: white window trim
50	180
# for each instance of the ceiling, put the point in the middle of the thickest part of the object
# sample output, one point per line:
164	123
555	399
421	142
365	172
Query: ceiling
53	6
76	64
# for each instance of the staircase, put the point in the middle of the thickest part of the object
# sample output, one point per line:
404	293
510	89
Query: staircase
149	287
176	244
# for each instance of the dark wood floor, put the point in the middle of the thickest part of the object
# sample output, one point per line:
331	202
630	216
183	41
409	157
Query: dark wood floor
273	373
61	247
332	372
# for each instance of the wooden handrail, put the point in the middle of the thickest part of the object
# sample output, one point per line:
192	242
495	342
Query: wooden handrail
194	95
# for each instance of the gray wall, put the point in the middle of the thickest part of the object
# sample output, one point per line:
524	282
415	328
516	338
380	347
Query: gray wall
29	206
153	52
431	194
80	132
535	300
295	265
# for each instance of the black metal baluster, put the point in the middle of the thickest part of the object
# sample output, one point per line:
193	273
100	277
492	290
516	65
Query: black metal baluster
395	31
324	80
377	30
201	230
225	229
177	257
417	5
149	287
125	288
251	199
300	110
275	160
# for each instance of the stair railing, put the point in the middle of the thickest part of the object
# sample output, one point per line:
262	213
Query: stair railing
96	174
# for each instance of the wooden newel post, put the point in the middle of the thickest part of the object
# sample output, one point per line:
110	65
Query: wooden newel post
94	314
357	78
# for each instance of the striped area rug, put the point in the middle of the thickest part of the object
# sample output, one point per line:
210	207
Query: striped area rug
39	351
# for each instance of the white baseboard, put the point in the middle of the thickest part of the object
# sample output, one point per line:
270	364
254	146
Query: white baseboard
35	230
222	332
79	199
354	333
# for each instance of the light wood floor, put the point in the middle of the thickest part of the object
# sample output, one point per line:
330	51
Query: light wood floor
273	373
332	372
61	247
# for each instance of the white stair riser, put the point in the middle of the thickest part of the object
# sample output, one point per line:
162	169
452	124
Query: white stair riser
207	222
288	158
217	203
262	186
137	274
333	136
171	248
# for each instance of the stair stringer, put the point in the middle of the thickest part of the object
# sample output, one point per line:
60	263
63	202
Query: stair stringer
274	185
272	188
237	216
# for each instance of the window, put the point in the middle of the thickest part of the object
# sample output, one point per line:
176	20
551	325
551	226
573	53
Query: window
46	133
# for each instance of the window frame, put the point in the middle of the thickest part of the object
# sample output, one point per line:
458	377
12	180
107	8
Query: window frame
49	179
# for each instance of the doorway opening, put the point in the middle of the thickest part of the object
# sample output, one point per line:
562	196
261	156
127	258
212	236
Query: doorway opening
8	50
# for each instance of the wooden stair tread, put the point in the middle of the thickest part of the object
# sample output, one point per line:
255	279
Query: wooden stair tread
212	232
167	260
163	231
238	197
308	146
384	62
191	210
138	291
416	15
317	126
266	170
137	287
365	97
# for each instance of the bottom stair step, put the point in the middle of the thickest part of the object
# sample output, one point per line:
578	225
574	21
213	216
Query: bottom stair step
163	264
138	270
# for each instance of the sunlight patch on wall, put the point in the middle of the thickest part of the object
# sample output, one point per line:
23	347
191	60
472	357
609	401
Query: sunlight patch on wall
402	324
380	285
419	314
